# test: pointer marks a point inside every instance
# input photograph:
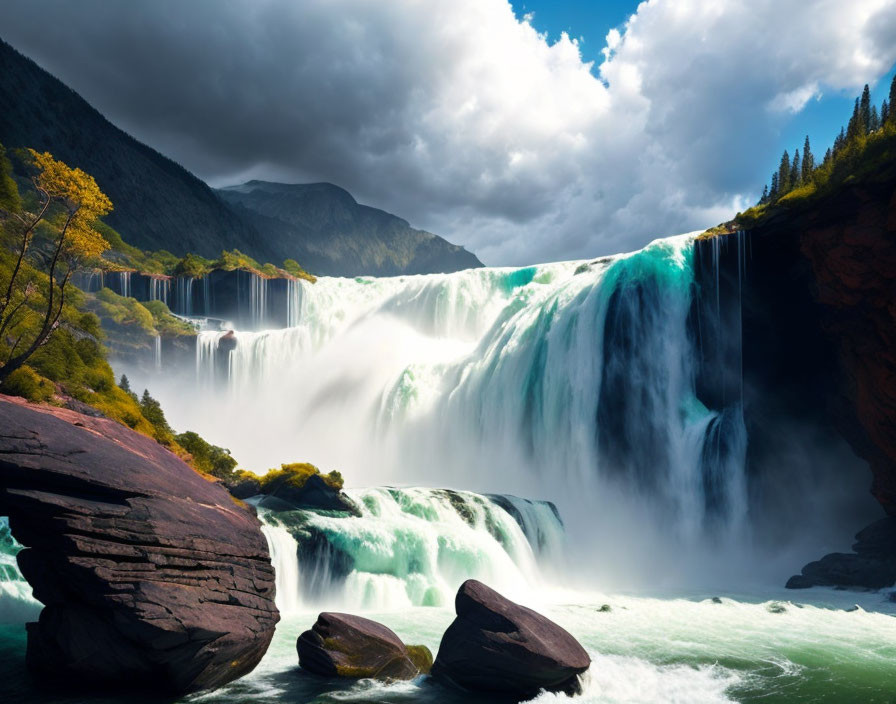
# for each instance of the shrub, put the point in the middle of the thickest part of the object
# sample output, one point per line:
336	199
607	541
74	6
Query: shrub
206	457
28	384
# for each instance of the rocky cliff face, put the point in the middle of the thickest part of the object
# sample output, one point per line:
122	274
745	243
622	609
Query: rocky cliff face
151	575
805	305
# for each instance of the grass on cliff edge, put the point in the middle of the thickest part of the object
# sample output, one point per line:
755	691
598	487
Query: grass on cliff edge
865	159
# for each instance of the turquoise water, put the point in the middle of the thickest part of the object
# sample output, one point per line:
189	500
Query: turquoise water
644	651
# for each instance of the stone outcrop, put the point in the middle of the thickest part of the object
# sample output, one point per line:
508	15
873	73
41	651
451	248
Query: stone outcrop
495	645
871	565
797	322
343	645
151	575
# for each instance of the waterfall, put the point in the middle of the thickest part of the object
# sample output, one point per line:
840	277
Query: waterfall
17	605
157	352
574	381
284	558
90	281
410	547
159	289
294	300
258	288
184	287
207	295
124	282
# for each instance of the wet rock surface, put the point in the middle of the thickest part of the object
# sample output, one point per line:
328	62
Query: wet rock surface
343	645
495	645
152	577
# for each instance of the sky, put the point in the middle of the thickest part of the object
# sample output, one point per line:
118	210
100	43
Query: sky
528	132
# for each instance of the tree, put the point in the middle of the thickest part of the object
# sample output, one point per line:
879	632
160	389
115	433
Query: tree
884	112
784	174
874	123
795	171
152	411
865	109
828	155
763	199
856	126
892	100
10	201
839	141
808	165
77	204
773	191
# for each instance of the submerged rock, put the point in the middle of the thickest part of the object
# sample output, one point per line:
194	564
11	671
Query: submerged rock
495	645
342	645
152	576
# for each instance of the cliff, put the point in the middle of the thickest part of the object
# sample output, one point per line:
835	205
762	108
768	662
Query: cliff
152	576
808	297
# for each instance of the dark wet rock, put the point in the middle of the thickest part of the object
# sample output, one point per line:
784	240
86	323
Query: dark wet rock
243	487
848	570
716	600
343	645
776	607
152	576
605	609
315	493
871	566
495	645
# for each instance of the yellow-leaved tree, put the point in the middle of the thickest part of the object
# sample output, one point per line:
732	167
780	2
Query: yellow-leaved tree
71	202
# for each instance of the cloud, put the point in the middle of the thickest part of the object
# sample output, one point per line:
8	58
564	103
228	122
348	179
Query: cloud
461	117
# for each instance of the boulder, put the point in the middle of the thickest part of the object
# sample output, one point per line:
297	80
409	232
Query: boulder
152	576
315	493
342	645
871	566
495	645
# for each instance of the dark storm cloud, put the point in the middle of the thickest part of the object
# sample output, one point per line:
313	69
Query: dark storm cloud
455	114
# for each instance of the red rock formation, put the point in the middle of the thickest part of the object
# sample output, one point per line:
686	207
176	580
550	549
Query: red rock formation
152	576
851	245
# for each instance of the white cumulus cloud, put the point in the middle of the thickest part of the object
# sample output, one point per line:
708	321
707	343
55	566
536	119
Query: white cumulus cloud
462	117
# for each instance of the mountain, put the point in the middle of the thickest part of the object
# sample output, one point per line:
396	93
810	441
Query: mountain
330	233
161	205
158	203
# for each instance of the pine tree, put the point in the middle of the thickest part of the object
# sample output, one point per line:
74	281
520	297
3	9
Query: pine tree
124	384
839	141
874	123
784	174
808	165
892	100
152	411
763	199
852	129
795	171
884	112
865	109
828	155
773	191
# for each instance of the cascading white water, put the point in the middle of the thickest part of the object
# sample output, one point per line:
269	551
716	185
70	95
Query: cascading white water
184	288
159	289
258	300
283	549
125	283
157	352
17	604
410	547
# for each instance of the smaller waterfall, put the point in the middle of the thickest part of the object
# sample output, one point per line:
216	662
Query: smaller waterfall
159	289
184	289
207	295
258	289
17	604
89	281
157	352
124	283
284	558
410	547
294	301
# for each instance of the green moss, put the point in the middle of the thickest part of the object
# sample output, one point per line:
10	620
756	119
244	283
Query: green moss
28	384
421	656
192	265
295	475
